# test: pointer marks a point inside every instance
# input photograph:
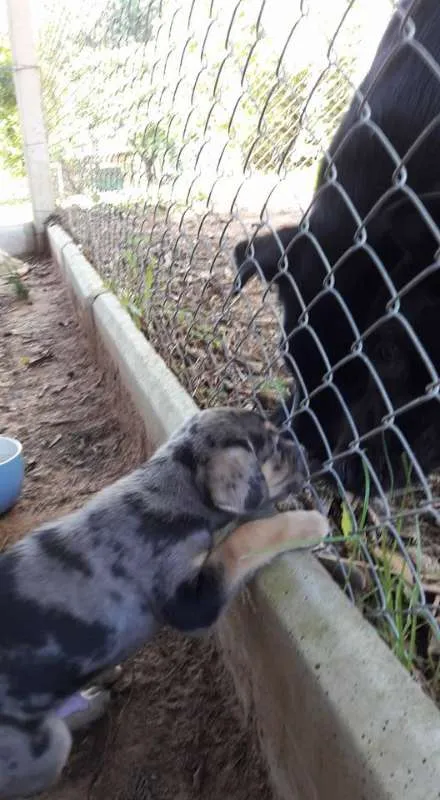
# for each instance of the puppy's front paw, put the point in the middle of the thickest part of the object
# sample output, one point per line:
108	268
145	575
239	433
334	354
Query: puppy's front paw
109	677
305	528
84	708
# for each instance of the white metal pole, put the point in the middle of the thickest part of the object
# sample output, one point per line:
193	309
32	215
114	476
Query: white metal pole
29	100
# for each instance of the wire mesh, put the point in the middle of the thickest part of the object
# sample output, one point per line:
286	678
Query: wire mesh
179	128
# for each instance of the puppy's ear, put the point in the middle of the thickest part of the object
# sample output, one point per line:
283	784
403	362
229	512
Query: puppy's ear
234	480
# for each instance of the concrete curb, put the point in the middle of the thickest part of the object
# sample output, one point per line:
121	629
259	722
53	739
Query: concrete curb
81	277
18	240
339	717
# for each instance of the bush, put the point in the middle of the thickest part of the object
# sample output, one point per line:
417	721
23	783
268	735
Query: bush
11	143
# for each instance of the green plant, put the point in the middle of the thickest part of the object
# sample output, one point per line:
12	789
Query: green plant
130	258
11	144
130	302
276	385
125	20
276	107
282	107
155	147
400	593
150	270
349	524
20	289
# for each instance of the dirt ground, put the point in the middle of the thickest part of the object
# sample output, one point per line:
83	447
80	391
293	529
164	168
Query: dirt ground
174	731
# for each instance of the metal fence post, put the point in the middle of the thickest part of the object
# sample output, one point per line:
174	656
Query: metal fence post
29	100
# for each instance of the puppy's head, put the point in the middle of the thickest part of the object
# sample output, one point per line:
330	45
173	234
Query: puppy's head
239	460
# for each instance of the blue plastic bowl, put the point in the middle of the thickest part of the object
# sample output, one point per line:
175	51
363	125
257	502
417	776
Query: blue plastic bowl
11	472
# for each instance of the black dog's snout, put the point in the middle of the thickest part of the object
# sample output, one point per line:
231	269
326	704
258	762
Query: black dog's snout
236	286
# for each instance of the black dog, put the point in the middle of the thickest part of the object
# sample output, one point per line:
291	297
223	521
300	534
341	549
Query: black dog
359	279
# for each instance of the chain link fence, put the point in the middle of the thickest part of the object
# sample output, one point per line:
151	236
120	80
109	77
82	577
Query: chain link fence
180	128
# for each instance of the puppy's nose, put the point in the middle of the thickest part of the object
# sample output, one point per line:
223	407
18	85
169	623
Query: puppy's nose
270	427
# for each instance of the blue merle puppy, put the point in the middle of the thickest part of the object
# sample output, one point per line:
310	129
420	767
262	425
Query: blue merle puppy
81	594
